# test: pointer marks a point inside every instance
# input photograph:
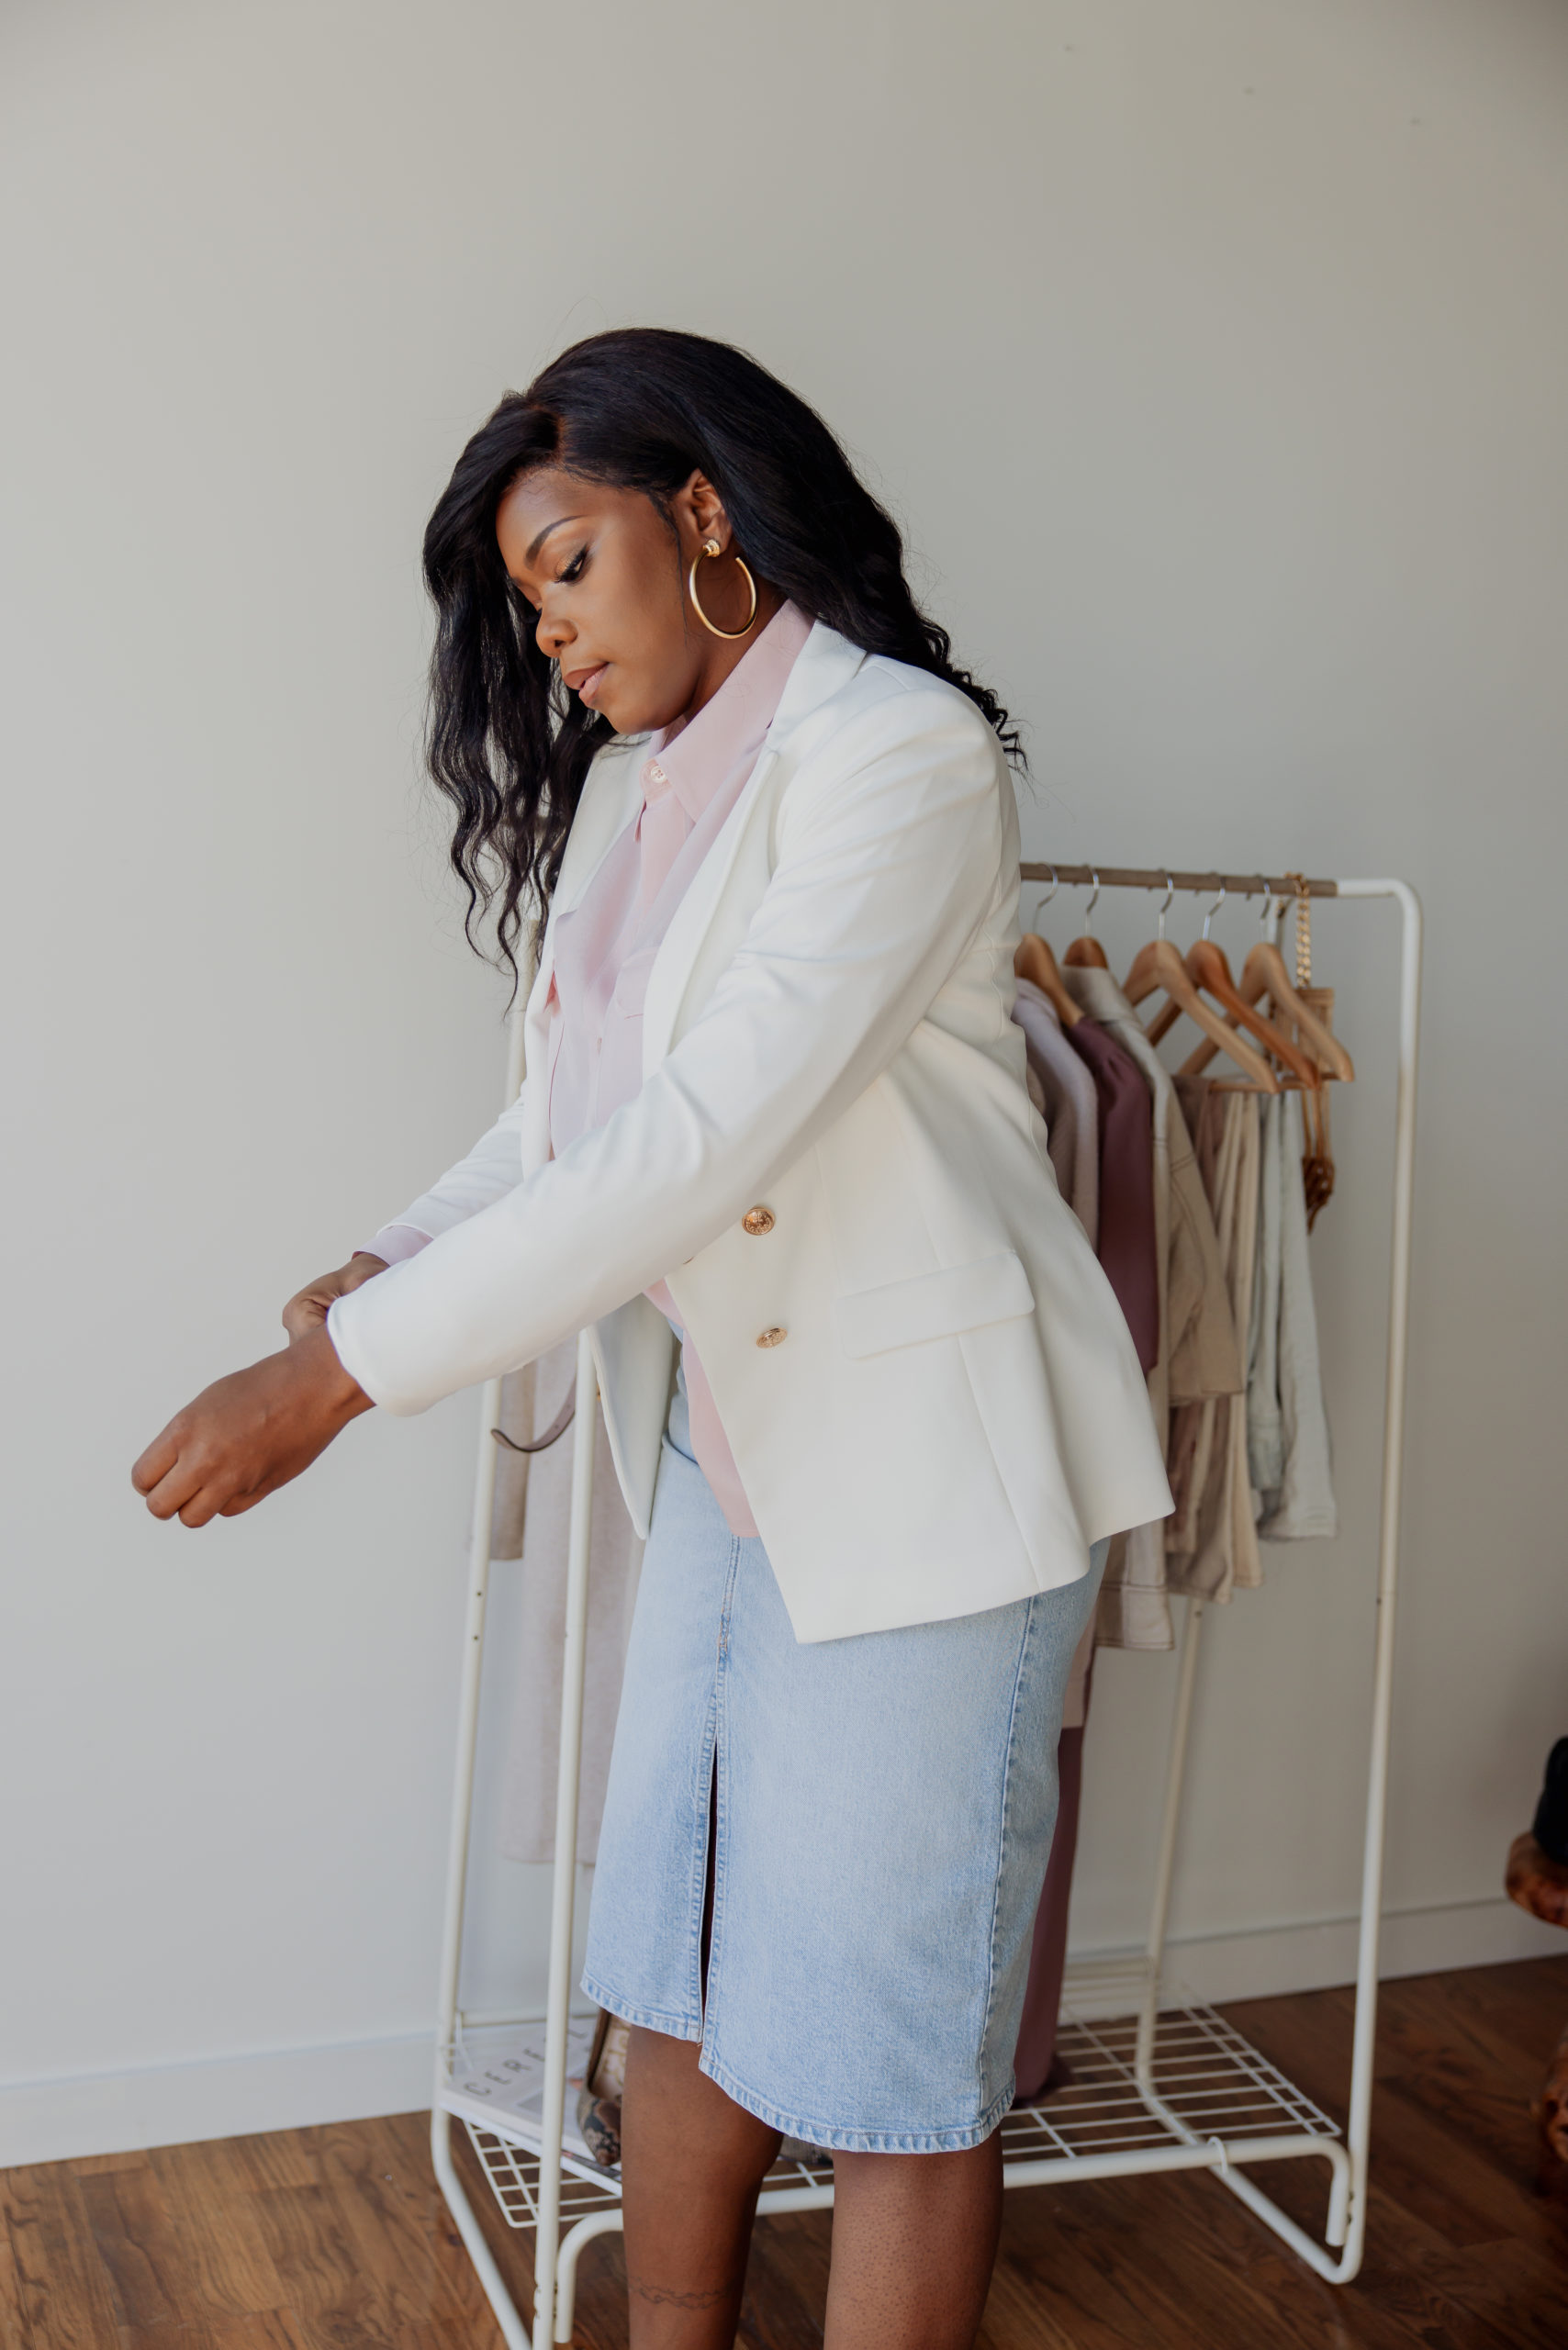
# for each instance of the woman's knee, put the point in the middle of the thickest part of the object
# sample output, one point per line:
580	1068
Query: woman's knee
919	2177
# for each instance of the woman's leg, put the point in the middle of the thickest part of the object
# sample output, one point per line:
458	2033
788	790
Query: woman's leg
691	2164
915	2241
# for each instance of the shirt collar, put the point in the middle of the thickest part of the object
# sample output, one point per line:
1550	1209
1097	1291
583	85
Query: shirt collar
698	755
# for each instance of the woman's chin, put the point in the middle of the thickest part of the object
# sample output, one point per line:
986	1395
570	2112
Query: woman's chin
630	713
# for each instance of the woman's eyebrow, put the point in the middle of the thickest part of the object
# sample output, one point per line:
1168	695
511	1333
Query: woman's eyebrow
534	544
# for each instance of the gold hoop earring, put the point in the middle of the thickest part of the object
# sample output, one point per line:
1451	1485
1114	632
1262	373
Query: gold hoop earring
711	546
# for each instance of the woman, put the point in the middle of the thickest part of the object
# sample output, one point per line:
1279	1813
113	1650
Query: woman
868	1392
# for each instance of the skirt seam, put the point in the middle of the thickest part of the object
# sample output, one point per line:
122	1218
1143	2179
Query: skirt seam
718	1825
981	2053
703	1797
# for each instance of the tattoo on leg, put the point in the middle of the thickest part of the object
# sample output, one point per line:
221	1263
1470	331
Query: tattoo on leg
648	2292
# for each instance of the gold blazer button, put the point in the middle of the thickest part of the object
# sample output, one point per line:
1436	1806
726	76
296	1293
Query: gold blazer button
757	1221
774	1337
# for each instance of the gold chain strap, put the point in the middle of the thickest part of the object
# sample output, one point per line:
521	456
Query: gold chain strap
1317	1162
1303	930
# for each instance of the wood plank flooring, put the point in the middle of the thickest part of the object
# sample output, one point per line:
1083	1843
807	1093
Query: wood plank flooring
337	2239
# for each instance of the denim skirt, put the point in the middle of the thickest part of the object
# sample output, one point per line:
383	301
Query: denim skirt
883	1820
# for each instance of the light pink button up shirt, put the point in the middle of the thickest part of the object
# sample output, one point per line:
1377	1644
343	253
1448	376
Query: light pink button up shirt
605	945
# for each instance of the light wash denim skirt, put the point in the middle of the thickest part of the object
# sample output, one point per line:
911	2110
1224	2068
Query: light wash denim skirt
885	1805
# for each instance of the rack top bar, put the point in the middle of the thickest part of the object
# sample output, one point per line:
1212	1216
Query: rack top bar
1129	876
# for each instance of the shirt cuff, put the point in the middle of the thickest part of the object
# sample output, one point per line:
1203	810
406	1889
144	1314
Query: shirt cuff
396	1241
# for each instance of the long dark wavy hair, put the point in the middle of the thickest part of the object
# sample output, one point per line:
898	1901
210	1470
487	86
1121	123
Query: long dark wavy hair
643	409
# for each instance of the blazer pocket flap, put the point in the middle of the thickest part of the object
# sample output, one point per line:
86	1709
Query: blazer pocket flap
933	1306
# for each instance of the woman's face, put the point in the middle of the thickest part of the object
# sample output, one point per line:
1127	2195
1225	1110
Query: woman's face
607	577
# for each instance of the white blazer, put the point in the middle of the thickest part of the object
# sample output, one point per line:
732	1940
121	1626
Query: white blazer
928	1387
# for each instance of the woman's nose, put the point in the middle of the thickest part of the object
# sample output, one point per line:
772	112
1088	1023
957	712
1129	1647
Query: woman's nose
552	633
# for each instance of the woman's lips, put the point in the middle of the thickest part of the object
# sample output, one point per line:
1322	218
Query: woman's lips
585	682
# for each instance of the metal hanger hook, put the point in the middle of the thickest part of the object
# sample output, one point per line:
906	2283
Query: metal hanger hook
1045	901
1214	909
1165	905
1274	907
1093	902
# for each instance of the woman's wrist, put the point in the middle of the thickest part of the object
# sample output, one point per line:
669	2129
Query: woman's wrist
319	1361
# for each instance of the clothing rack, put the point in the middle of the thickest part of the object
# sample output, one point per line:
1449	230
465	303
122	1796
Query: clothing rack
1157	2090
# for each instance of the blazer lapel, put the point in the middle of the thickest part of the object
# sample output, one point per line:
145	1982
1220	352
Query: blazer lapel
826	662
610	799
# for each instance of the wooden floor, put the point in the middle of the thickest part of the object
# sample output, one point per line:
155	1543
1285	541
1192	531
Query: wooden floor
336	2239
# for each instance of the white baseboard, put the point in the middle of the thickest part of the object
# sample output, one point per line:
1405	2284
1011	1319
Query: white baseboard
215	2096
229	2097
1312	1954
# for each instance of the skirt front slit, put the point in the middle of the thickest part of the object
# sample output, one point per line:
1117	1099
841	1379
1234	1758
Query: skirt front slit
880	1808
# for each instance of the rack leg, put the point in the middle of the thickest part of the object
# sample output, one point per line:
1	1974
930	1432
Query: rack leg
547	2240
1336	2272
577	2239
1358	2131
513	2330
1170	1828
457	2203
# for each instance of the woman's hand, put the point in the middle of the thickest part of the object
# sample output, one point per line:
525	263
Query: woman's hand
308	1309
248	1434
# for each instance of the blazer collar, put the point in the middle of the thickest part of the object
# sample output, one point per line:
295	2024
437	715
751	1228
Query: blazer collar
826	662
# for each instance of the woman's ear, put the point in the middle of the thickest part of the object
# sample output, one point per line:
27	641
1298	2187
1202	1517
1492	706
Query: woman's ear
700	510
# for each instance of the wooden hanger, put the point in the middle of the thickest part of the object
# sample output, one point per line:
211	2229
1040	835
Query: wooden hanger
1208	968
1265	973
1158	965
1086	953
1033	960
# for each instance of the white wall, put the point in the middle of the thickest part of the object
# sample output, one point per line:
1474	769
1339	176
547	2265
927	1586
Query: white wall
1216	357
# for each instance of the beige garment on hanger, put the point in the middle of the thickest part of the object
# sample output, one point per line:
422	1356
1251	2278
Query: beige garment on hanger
1211	1542
1199	1357
615	1560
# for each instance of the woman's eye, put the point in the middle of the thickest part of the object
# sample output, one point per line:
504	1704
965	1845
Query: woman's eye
575	569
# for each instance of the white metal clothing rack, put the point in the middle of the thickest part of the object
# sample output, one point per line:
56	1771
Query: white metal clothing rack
1156	2090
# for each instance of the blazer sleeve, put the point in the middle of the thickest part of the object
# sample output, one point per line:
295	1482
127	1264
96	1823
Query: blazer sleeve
491	1168
888	859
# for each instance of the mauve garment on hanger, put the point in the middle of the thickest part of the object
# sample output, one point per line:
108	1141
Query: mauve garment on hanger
1198	1353
1047	1952
1129	1248
1125	1244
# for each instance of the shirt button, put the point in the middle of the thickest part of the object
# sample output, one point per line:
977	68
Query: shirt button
774	1337
756	1221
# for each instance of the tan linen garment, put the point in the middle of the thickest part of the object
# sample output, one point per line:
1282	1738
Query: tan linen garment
1211	1540
533	1521
1199	1358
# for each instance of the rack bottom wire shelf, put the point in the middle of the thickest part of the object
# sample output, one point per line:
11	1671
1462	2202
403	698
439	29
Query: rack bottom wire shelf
1217	2087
